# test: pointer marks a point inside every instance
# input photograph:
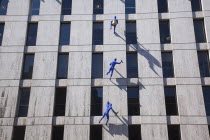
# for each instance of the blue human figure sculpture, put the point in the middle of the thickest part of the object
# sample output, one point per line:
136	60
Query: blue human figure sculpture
106	113
114	23
112	65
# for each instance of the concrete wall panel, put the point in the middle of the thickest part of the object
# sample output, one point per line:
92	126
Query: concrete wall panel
111	7
115	132
18	7
38	132
154	132
6	132
179	5
76	132
146	6
50	7
82	7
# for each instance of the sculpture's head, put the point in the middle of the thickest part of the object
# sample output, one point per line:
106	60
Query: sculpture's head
108	102
115	17
115	59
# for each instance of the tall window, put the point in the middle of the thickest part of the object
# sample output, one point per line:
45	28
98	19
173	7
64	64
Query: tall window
97	65
65	34
134	132
130	7
203	59
196	5
131	37
133	101
167	64
19	133
60	102
58	132
1	32
97	33
132	65
96	101
66	7
32	34
98	6
35	6
162	6
24	95
3	7
200	35
171	101
28	65
165	36
62	68
206	95
174	132
95	132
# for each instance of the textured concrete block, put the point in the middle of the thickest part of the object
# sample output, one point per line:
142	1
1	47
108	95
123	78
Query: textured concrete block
50	7
146	6
111	7
78	132
82	7
6	132
115	132
179	5
38	132
18	7
154	132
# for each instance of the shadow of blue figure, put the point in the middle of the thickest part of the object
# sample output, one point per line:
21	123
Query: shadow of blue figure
106	113
114	23
112	65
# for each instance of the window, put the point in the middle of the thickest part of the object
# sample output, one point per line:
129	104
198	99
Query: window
96	101
18	133
131	37
97	33
174	132
206	95
32	34
133	101
97	65
98	6
35	6
162	6
62	68
203	59
60	102
64	34
1	32
171	101
200	35
95	132
66	7
132	65
28	66
130	6
3	7
196	5
57	132
134	132
167	62
165	36
23	102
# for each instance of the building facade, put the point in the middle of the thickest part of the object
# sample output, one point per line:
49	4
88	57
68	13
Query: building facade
55	54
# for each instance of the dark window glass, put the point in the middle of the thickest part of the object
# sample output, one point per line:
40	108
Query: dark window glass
130	6
171	101
98	6
196	5
131	33
134	132
1	32
97	33
165	36
167	62
18	133
162	6
200	35
174	132
3	7
23	102
66	7
209	129
133	101
65	34
28	66
35	6
132	65
206	95
32	34
97	65
58	132
62	68
203	59
96	101
60	102
95	132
